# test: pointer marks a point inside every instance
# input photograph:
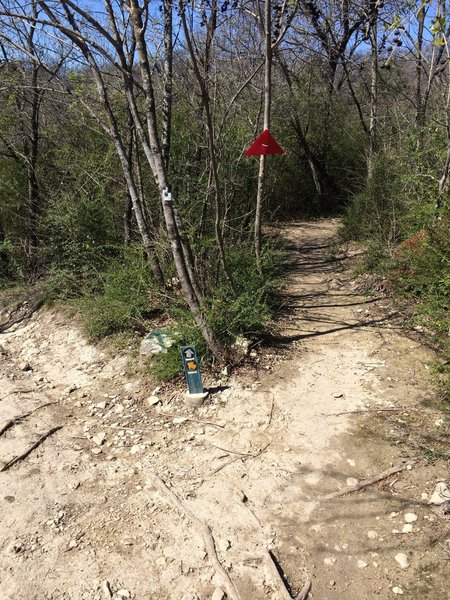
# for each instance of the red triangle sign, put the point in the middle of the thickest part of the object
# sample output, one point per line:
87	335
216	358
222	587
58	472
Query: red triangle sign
265	144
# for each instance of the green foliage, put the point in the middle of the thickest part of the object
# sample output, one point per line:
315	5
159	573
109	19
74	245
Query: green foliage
166	366
124	298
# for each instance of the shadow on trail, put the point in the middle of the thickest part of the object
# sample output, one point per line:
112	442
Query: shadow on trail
313	264
282	340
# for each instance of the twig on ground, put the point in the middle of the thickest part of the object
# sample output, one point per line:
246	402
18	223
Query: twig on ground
236	458
304	592
366	482
204	530
228	462
20	392
271	413
172	416
20	418
30	450
368	410
278	581
230	451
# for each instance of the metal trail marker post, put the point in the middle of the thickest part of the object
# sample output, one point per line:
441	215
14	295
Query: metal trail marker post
196	394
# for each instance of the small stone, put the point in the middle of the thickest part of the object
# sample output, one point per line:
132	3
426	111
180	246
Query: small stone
101	405
73	544
397	590
402	560
440	495
224	545
351	462
351	481
372	535
106	587
135	449
153	400
410	517
330	561
338	395
424	496
123	593
179	420
96	450
25	366
218	594
407	528
362	564
99	438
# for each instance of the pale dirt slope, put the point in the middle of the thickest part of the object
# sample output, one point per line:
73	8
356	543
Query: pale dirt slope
76	515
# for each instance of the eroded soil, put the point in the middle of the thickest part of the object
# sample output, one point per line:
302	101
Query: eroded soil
330	403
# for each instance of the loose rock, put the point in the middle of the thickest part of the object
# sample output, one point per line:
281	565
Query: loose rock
397	590
410	517
402	560
329	561
99	438
153	400
362	564
440	495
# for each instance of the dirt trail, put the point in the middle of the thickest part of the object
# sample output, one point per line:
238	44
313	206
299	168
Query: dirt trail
81	519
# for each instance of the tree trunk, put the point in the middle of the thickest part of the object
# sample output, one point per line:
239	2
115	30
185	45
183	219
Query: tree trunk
211	136
267	107
159	171
168	82
374	75
31	152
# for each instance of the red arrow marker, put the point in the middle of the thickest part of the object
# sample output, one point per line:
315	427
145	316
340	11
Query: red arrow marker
265	144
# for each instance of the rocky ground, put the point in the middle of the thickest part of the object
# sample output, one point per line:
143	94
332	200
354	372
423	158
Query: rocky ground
112	503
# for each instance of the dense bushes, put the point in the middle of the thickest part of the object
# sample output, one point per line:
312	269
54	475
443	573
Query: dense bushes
406	228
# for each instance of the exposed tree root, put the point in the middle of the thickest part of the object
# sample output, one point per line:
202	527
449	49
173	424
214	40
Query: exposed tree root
30	450
205	532
20	418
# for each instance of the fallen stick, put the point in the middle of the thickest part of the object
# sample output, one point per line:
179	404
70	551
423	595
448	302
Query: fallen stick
17	420
368	410
304	592
270	414
173	416
21	392
30	450
278	581
366	482
228	462
230	451
204	530
239	457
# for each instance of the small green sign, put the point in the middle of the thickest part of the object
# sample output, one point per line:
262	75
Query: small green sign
192	369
